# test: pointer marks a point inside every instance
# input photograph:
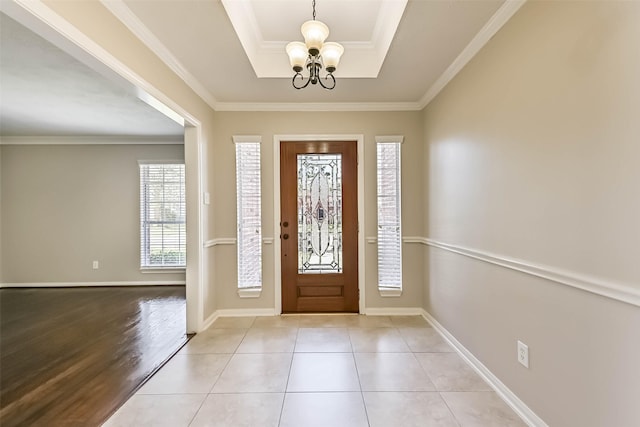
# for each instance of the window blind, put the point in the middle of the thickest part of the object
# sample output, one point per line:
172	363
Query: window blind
389	217
249	215
162	215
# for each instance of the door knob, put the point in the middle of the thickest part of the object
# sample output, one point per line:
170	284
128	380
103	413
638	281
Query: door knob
285	236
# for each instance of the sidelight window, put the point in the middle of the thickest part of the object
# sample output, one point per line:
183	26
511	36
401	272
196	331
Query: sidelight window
249	218
389	216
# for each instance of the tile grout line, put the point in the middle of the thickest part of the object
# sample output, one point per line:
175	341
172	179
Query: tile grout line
228	361
453	415
364	404
195	414
284	395
217	379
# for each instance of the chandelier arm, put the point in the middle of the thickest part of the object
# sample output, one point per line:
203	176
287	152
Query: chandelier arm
293	81
331	86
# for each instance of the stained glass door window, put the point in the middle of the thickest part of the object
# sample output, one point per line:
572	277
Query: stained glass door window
319	213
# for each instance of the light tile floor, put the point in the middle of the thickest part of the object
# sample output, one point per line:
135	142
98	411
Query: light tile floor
307	371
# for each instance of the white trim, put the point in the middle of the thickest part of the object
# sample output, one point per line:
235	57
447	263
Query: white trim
193	150
121	11
394	311
361	222
277	139
497	21
277	246
615	290
154	270
221	241
414	239
395	141
197	268
61	26
239	139
318	106
382	139
236	312
160	162
206	324
249	292
159	106
267	240
92	140
389	292
240	312
93	284
245	312
510	398
407	239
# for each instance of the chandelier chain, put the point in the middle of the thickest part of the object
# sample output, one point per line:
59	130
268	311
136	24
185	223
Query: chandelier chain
314	9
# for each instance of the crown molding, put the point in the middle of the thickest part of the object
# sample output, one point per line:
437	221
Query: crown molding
497	21
121	11
61	27
131	21
318	106
91	140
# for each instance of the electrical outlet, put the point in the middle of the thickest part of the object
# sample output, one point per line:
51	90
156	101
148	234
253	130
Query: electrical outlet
523	354
96	265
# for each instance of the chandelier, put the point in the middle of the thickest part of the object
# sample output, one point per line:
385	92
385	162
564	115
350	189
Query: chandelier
313	54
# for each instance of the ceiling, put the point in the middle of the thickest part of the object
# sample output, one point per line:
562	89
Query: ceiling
398	55
46	92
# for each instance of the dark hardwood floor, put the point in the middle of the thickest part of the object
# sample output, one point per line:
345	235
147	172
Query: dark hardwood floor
72	356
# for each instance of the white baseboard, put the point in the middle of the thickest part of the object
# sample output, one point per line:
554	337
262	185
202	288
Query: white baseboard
209	321
393	311
527	415
236	312
92	284
241	312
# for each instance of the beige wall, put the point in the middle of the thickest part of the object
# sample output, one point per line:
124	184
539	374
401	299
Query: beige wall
64	206
533	154
144	68
369	124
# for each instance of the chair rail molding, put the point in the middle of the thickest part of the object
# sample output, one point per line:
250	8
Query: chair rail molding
220	241
607	288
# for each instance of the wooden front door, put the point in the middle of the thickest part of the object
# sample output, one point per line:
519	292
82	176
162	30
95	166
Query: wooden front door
319	226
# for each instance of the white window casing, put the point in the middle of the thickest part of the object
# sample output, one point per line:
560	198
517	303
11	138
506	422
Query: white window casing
389	203
163	237
249	216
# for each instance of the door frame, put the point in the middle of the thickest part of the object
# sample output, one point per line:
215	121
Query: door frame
277	248
45	22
